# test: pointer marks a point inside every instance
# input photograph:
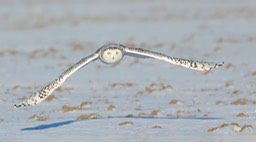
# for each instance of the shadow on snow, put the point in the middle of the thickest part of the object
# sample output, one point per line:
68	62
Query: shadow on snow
47	126
59	124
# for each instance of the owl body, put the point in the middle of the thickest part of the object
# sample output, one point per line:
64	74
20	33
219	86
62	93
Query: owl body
109	54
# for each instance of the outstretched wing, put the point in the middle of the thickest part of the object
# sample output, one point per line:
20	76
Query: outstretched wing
196	65
48	89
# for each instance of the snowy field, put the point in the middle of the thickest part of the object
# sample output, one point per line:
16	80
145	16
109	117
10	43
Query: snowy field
140	100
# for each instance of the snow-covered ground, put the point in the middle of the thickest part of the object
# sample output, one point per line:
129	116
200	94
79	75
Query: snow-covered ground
137	99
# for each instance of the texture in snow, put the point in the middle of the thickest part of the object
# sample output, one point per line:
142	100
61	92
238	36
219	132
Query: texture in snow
137	99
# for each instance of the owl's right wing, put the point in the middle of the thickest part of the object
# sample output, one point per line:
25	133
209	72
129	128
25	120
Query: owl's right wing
48	89
192	64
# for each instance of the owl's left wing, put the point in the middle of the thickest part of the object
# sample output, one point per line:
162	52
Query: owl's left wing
48	89
192	64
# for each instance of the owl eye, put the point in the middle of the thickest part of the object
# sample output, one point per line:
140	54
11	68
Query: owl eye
109	53
117	53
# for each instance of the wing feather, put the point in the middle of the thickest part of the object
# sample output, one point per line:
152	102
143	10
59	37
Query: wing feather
48	89
192	64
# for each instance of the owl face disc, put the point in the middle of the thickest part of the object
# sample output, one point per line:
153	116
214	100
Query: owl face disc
111	54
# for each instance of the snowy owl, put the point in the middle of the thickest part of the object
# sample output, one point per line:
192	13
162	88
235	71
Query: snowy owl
109	54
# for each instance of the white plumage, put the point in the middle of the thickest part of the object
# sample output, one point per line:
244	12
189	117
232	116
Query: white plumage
109	54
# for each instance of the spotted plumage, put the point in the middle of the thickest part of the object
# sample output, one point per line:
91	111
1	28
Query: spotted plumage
109	54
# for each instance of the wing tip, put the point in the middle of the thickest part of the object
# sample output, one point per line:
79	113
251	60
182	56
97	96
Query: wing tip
216	65
20	105
25	103
221	64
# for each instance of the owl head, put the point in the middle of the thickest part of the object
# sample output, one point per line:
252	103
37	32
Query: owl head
111	53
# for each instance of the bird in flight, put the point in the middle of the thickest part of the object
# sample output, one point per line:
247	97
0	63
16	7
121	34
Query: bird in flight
109	54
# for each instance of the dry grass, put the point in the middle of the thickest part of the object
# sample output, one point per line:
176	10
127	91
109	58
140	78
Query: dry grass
126	123
228	84
50	98
59	89
155	112
242	101
217	49
129	115
42	53
179	112
38	117
87	116
77	47
66	108
111	108
141	114
157	87
85	103
241	115
175	101
156	127
229	66
82	105
236	127
127	84
1	53
253	74
236	92
220	102
12	52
